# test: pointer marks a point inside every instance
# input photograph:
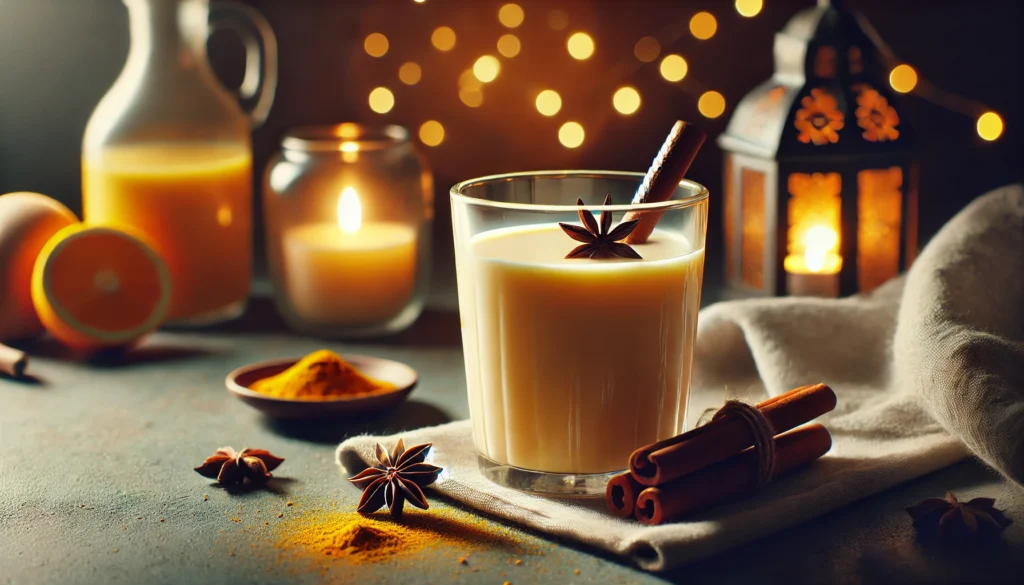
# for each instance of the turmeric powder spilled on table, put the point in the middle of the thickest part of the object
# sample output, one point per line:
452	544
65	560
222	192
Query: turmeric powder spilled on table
321	375
361	539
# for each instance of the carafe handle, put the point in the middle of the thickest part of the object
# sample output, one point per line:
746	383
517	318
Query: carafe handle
259	83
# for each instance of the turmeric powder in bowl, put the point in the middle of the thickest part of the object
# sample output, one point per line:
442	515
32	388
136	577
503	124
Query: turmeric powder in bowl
321	375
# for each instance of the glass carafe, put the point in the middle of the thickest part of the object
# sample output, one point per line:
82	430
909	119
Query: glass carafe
167	151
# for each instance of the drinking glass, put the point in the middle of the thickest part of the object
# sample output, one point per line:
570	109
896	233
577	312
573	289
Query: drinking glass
571	364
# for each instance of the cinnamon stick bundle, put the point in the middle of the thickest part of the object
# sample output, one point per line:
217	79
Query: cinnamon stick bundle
722	438
730	478
621	494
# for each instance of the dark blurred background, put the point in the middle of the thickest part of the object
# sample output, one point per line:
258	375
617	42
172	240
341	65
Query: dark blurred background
60	56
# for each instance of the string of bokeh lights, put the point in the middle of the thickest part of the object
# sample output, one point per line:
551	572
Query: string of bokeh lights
904	78
580	45
626	100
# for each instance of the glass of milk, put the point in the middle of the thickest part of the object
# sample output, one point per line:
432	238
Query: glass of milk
573	363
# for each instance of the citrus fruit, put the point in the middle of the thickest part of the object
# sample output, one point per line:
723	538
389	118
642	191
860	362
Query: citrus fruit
27	220
98	287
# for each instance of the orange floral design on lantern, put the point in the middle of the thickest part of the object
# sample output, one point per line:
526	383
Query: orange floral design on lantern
876	116
819	120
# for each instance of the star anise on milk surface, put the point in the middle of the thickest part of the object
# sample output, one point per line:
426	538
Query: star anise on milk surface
397	477
232	468
949	519
599	242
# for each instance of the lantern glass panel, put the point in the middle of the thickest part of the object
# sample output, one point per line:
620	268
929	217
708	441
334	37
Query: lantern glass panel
855	57
910	221
879	212
825	62
752	239
812	239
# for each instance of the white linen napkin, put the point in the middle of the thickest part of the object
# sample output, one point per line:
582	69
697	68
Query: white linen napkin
922	366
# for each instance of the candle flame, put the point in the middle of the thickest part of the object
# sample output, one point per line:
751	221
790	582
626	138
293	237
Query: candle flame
350	212
818	242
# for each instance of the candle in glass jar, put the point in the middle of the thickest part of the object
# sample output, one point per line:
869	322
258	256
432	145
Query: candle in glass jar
347	272
816	272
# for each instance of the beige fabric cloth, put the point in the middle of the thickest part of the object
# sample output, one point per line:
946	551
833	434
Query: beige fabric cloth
941	350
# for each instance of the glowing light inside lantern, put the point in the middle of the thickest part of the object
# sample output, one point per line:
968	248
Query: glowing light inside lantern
673	68
381	100
580	46
432	133
347	130
443	38
548	102
509	46
647	49
626	100
376	45
819	242
990	126
350	152
703	25
350	212
749	8
571	134
486	68
511	15
224	215
711	104
410	73
903	78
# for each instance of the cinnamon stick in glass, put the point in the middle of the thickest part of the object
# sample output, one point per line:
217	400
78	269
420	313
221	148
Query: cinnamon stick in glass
720	439
662	178
621	494
730	478
12	361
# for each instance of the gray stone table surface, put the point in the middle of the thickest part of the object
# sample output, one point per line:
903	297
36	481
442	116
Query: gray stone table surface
96	484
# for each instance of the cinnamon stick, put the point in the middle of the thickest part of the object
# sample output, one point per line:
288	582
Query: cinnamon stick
720	439
730	478
621	494
12	361
662	178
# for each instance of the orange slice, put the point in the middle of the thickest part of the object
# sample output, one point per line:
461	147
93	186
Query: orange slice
97	287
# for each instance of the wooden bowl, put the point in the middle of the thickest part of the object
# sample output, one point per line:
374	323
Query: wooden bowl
402	376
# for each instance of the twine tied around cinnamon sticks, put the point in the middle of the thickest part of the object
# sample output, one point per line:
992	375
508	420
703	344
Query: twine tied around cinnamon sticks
735	453
763	432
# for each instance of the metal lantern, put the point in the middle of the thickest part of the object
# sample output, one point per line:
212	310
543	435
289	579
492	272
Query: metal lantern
820	179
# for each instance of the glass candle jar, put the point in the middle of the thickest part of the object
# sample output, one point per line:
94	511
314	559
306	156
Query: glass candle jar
573	363
348	211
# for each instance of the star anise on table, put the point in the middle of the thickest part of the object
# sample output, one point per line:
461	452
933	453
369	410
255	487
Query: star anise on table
396	477
948	519
235	469
599	242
